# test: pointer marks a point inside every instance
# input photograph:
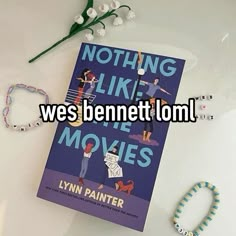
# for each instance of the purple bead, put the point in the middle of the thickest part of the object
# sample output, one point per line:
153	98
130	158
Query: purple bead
21	86
40	91
5	111
47	100
8	100
10	90
31	89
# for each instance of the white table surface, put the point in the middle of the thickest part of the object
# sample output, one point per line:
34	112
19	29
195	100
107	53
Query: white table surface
202	32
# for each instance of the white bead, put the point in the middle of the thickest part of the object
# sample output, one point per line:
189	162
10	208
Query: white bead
185	233
38	122
91	12
89	37
79	19
118	21
101	32
210	117
209	97
22	128
202	117
131	15
104	8
115	4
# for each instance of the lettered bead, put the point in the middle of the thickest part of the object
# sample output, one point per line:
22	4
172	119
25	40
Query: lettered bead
23	128
202	117
38	122
210	117
185	233
209	97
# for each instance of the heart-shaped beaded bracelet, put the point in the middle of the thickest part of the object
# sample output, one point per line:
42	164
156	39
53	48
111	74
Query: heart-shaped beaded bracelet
9	101
207	219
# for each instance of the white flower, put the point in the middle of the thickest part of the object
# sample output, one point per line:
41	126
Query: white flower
101	32
131	15
118	21
89	37
91	12
79	19
104	8
115	4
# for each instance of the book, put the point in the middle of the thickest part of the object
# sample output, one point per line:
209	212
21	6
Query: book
108	169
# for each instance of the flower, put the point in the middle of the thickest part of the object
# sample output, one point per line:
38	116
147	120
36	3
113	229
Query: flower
91	12
89	37
101	32
131	15
115	4
104	8
118	21
79	19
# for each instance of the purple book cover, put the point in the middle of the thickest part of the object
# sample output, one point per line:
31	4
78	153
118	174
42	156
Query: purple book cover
108	169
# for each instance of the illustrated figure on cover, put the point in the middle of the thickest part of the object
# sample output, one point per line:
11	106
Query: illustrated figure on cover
86	77
85	162
111	168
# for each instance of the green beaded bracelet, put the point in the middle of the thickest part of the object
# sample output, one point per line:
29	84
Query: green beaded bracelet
207	219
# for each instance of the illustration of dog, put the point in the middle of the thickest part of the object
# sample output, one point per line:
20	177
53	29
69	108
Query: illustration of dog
125	188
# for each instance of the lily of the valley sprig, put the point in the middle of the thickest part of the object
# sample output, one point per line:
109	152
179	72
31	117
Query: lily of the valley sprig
91	17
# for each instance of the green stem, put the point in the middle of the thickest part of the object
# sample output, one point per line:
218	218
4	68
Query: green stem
104	26
91	30
122	6
85	27
50	48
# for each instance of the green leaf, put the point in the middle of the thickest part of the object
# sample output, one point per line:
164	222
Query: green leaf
76	26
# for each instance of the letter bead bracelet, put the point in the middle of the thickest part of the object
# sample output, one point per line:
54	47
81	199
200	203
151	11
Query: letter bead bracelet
9	101
207	219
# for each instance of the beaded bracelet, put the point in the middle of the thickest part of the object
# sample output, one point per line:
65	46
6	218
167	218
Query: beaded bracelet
9	100
207	219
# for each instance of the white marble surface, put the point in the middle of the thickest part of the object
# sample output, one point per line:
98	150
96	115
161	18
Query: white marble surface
203	32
